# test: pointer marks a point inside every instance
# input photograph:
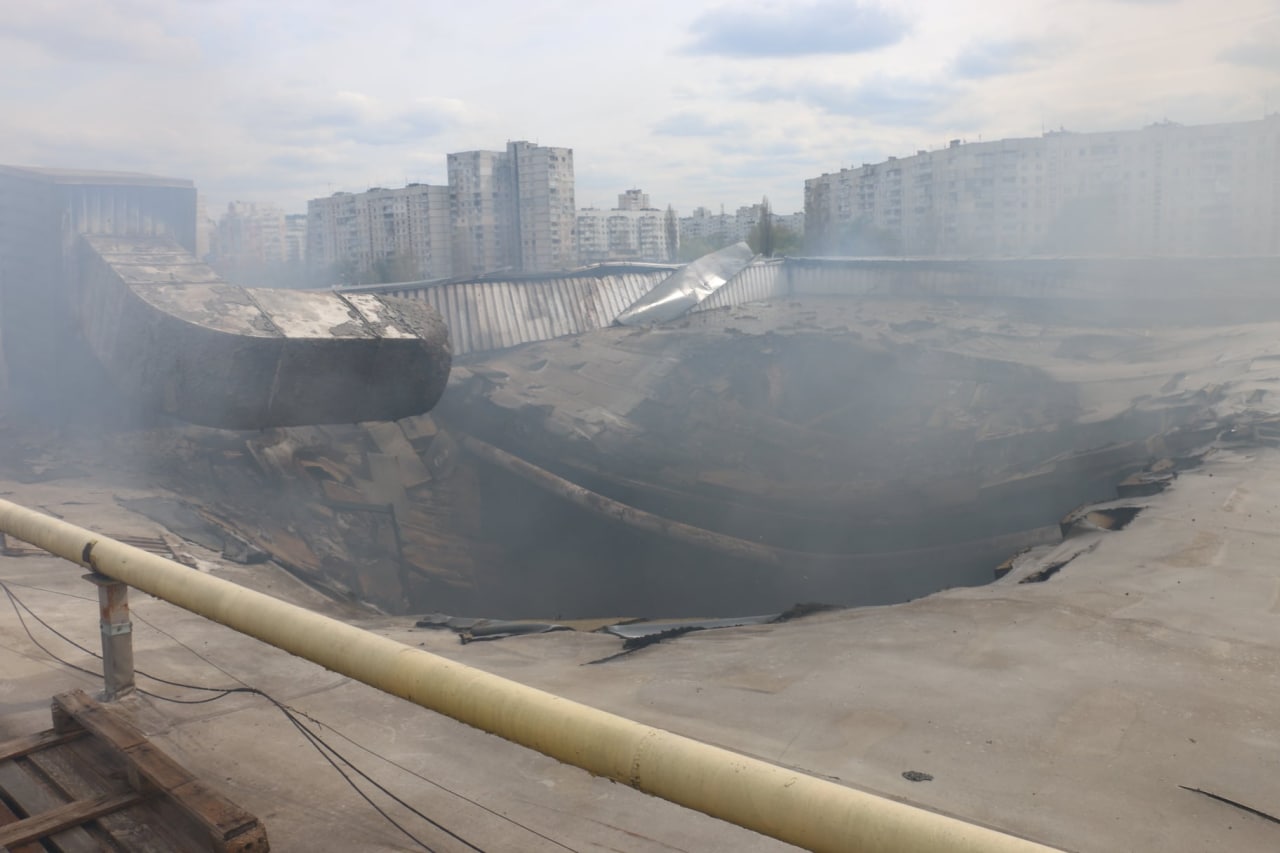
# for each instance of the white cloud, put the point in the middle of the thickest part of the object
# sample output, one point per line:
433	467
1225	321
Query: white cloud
291	100
132	32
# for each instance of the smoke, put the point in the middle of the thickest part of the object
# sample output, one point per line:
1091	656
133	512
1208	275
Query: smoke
885	435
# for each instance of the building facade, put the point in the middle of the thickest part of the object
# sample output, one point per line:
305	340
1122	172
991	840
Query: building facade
248	235
1166	189
382	234
633	231
546	221
513	210
634	200
480	201
725	228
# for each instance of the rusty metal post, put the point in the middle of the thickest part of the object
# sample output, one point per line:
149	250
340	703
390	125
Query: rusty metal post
117	636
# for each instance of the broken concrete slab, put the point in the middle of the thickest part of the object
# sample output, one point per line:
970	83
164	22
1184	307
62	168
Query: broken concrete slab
179	341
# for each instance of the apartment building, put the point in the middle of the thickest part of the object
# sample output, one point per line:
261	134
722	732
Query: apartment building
513	209
480	201
705	225
545	211
634	230
248	236
381	234
634	200
295	238
1166	189
731	227
635	235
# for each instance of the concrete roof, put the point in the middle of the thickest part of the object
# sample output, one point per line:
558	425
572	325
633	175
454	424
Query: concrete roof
1070	711
96	177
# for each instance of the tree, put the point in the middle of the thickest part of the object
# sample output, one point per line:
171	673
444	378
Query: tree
786	241
763	240
692	248
672	225
394	268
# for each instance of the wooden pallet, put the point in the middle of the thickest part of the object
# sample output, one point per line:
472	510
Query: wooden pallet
94	782
10	547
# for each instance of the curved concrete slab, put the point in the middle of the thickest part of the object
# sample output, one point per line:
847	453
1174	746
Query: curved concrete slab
181	341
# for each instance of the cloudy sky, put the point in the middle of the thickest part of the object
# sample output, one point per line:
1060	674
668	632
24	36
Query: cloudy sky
696	102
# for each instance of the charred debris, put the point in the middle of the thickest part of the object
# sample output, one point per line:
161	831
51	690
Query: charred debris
731	464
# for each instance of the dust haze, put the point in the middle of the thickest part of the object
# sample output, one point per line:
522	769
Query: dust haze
962	289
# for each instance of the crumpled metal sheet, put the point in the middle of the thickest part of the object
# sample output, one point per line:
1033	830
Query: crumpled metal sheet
688	286
470	630
644	630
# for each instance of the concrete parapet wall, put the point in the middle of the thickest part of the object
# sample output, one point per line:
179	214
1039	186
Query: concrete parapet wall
1140	290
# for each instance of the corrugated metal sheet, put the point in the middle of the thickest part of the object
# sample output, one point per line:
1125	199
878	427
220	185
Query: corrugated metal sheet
493	315
760	281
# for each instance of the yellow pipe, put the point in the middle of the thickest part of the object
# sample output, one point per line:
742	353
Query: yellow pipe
785	804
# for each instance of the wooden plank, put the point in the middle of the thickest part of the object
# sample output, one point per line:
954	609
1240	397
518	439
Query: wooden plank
224	824
229	827
20	746
159	770
65	817
7	817
74	778
34	797
88	768
76	708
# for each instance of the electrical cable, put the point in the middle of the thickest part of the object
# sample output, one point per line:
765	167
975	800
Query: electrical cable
318	743
348	739
289	712
430	781
15	603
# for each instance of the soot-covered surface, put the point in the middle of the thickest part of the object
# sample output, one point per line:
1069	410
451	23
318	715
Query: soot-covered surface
840	450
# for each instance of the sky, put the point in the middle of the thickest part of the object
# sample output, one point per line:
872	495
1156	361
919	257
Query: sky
697	103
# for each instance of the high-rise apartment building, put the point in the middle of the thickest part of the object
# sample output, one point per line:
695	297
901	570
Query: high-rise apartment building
295	238
1167	189
248	236
480	199
513	209
546	215
634	200
509	210
381	234
629	232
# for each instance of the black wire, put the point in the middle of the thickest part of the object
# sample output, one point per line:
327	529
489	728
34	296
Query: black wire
220	695
430	781
318	743
324	749
19	603
337	732
15	602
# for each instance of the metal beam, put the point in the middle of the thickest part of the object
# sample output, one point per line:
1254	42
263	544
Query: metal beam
783	803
